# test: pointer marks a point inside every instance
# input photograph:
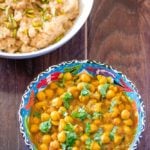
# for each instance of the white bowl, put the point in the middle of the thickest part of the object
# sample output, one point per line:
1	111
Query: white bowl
85	9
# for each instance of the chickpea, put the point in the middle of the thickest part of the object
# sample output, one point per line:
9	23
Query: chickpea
78	129
110	80
34	128
54	145
75	148
116	121
95	83
80	85
97	107
49	93
55	115
121	107
69	83
113	88
62	125
57	102
46	139
60	91
110	94
105	138
97	121
62	110
125	114
72	106
50	109
84	98
68	76
84	137
128	122
40	105
60	76
117	139
53	86
62	137
128	107
92	88
108	127
74	91
123	98
41	96
54	136
96	95
68	119
45	117
55	123
107	116
95	146
77	143
43	147
36	120
127	139
91	103
120	130
127	130
102	79
85	77
115	112
94	128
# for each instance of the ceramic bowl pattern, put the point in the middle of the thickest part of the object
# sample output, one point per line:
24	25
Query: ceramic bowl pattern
76	67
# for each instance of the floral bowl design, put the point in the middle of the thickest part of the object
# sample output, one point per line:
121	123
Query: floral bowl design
76	67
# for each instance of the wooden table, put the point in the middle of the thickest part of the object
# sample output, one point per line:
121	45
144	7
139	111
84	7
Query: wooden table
117	32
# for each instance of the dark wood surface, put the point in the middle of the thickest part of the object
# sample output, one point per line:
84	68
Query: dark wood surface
117	32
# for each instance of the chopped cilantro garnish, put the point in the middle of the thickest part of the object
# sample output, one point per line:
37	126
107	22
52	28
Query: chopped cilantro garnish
71	137
97	115
87	128
103	89
66	99
45	126
80	114
61	82
69	127
64	113
98	134
37	114
89	116
85	92
113	104
88	144
112	133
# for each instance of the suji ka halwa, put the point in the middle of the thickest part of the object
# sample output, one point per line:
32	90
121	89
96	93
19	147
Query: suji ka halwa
82	112
30	25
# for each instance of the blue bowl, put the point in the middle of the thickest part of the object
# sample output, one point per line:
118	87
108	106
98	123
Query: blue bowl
75	67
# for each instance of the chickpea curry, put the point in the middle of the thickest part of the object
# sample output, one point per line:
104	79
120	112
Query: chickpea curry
82	112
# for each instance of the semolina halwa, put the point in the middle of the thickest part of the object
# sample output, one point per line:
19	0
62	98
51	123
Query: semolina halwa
30	25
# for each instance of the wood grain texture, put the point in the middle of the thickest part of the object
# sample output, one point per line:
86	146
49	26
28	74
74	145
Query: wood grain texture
117	33
120	35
